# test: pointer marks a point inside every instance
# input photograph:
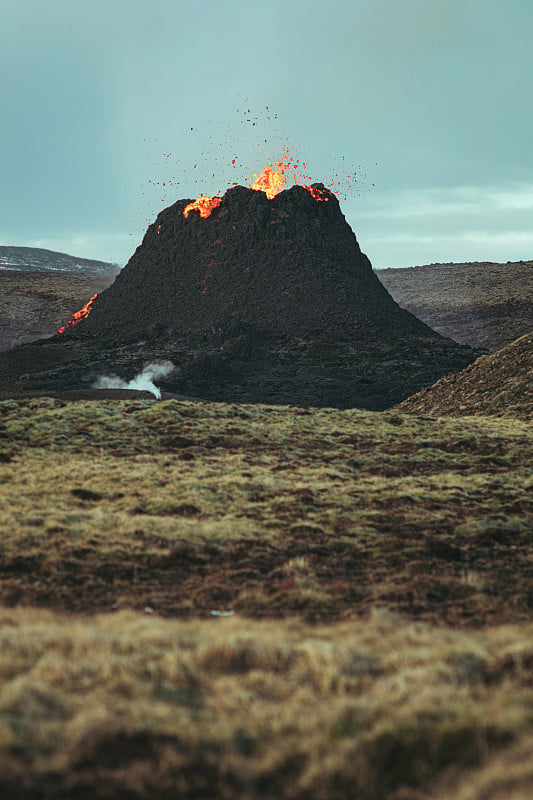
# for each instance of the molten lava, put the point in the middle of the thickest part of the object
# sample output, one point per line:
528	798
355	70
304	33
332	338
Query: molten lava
79	315
271	180
318	193
204	205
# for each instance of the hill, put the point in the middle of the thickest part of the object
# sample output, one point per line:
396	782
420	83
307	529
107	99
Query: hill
36	259
483	304
500	384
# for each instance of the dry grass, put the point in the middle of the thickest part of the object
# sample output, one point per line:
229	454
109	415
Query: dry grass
376	570
129	706
264	510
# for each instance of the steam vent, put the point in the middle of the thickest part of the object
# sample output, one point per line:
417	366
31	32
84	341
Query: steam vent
264	300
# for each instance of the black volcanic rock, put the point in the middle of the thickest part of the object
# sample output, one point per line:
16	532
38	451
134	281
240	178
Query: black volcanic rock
261	301
290	265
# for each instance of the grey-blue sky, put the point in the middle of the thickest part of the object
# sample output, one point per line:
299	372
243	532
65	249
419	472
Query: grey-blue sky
429	98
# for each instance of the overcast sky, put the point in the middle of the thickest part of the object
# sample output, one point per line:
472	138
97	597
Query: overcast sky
420	110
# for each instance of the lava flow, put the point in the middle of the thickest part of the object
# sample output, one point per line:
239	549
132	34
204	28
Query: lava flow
79	315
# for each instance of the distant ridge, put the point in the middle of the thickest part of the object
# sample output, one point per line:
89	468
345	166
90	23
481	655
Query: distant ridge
484	303
36	259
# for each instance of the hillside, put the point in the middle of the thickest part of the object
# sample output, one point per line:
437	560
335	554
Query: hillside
255	300
500	384
243	601
482	304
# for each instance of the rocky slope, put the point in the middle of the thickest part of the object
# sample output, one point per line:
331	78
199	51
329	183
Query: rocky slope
41	289
290	265
481	304
34	304
500	384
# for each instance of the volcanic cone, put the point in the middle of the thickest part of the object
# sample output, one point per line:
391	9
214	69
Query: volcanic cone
290	265
259	299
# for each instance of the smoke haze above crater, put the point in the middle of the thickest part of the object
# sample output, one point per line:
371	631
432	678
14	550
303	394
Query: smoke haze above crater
428	101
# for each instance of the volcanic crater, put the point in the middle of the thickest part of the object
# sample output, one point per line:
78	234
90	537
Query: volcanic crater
254	299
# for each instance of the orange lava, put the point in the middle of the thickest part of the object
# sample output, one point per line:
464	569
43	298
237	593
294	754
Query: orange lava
271	180
318	193
79	315
204	205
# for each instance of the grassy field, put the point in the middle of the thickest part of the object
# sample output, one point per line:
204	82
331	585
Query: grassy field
232	601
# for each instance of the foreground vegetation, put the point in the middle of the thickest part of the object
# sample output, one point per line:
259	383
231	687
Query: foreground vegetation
128	706
263	601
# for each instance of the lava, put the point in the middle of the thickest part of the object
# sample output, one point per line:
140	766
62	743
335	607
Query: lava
204	205
321	194
271	180
79	315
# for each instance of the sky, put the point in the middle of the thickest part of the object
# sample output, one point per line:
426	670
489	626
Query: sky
419	112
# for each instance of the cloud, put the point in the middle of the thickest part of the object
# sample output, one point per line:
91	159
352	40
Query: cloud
464	223
433	201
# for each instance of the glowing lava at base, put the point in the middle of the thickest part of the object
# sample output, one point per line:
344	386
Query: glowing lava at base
79	315
202	204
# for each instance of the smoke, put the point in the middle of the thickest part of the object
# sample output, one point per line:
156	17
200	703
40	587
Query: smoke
144	382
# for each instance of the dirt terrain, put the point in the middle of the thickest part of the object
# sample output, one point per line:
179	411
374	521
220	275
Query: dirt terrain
263	601
482	304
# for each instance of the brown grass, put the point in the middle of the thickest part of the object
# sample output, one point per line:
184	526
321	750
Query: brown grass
375	570
125	705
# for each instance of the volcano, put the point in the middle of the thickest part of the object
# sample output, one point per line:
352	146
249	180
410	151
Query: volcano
287	265
260	298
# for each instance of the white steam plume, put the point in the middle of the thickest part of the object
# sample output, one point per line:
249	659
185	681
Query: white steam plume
144	382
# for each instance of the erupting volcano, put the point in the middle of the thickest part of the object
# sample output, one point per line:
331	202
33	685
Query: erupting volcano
263	294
